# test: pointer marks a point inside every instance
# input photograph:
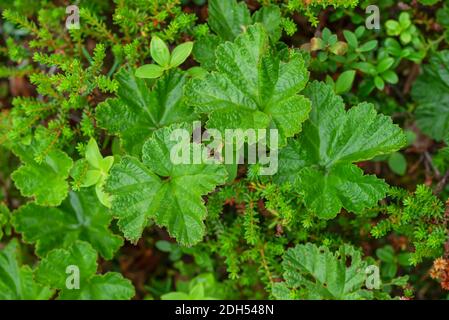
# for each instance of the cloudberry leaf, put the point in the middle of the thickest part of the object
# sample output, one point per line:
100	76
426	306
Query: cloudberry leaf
317	273
204	50
139	109
270	17
169	194
52	270
431	92
253	87
81	216
46	181
320	161
228	18
16	281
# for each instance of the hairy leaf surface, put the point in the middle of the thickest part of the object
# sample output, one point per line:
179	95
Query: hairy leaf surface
139	109
52	270
320	161
157	189
17	282
320	274
81	216
46	181
228	19
253	87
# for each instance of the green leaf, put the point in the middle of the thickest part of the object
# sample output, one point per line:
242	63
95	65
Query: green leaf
270	17
157	189
81	217
281	292
393	28
379	83
47	180
180	54
404	259
365	67
320	274
431	93
386	254
104	198
94	172
202	287
406	37
390	76
228	18
93	155
341	186
196	72
52	270
159	51
139	109
176	296
443	16
106	163
368	46
149	71
17	282
195	293
404	20
222	15
320	162
384	64
164	246
5	220
393	47
253	87
351	38
91	178
326	34
389	270
204	50
344	82
397	163
400	281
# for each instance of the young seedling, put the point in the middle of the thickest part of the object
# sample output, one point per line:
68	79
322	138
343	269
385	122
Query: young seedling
98	171
164	60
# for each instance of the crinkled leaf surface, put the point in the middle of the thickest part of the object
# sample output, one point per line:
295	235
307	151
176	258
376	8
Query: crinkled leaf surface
320	161
155	188
140	109
270	17
321	274
45	181
52	271
17	282
431	92
253	87
81	216
204	50
228	19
